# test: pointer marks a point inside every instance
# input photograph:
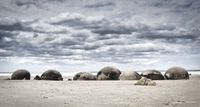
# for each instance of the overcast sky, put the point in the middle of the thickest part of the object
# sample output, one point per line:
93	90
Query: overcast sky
86	35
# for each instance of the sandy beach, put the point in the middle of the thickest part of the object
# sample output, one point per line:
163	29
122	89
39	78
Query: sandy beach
33	93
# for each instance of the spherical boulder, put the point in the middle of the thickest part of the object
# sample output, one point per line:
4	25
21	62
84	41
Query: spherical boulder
21	74
129	75
153	74
84	76
51	75
108	73
175	73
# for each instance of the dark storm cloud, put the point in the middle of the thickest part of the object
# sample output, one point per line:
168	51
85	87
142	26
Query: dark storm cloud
26	3
171	37
178	4
7	24
5	34
114	30
15	26
99	5
6	39
34	3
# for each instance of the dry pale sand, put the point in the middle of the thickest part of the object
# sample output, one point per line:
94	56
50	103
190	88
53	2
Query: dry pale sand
167	93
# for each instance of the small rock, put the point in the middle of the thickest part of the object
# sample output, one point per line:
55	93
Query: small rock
145	81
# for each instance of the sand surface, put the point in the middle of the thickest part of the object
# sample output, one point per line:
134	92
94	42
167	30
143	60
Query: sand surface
32	93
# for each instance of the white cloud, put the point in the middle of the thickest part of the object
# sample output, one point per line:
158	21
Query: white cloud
3	51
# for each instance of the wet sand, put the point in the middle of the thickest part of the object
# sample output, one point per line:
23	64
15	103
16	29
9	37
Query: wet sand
32	93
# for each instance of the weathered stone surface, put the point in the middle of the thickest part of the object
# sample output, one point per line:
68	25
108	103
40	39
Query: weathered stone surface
153	74
51	75
84	76
21	74
175	73
108	73
129	75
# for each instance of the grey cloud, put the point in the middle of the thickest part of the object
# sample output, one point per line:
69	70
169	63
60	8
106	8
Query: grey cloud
86	46
27	4
65	42
171	37
8	24
178	4
15	26
78	21
7	39
97	25
186	11
5	34
100	5
127	53
79	40
106	37
91	46
164	27
78	37
114	30
34	3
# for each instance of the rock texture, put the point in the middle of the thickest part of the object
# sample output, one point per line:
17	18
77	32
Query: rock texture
51	75
21	74
84	76
175	73
129	75
108	73
153	74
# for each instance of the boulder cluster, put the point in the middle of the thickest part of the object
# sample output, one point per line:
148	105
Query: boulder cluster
109	73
